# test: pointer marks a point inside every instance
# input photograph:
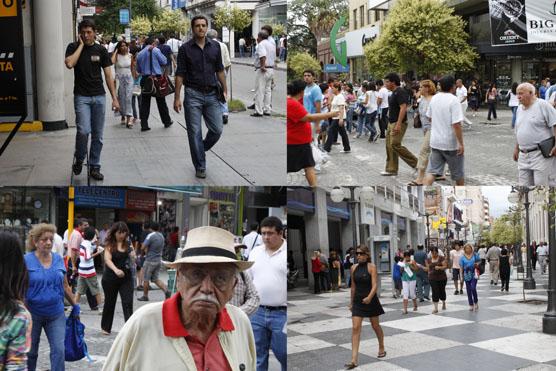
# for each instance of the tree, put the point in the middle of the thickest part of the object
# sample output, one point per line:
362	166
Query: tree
278	29
507	229
141	25
232	18
421	36
312	20
169	22
108	21
297	63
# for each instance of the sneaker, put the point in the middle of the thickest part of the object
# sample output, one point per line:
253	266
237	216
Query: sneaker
386	173
421	300
491	282
377	135
266	114
77	167
256	115
96	174
145	129
167	294
345	151
139	288
225	119
201	173
357	136
143	298
168	125
461	292
456	292
251	106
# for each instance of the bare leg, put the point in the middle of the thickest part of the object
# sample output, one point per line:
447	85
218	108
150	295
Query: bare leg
414	304
161	284
311	176
355	337
379	334
405	306
435	304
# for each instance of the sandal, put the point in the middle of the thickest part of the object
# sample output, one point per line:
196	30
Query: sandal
129	125
382	354
414	183
350	366
439	177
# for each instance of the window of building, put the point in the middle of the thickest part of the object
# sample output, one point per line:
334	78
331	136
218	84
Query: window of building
377	15
362	15
354	19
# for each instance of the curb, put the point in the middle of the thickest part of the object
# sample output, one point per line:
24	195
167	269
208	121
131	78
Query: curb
251	65
27	126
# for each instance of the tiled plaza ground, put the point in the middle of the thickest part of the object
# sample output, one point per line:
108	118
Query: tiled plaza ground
505	334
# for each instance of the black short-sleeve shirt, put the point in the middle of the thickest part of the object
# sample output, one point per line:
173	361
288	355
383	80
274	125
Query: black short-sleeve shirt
197	66
397	98
87	72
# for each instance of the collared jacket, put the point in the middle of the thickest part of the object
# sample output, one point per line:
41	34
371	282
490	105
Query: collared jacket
143	345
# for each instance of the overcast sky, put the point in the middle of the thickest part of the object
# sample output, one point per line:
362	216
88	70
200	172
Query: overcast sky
498	199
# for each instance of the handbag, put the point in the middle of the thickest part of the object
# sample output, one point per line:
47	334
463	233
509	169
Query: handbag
157	86
546	146
417	124
74	341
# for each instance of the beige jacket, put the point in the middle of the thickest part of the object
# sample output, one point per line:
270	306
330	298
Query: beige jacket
141	345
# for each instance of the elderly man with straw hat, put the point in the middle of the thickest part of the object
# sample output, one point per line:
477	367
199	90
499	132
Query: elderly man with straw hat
195	329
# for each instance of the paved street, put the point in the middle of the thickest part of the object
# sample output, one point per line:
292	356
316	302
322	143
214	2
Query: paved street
98	344
505	334
488	157
251	150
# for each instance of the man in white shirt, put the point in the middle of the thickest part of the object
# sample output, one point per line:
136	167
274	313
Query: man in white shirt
251	240
542	255
446	134
461	94
269	275
242	47
226	62
175	45
264	70
535	122
382	102
455	256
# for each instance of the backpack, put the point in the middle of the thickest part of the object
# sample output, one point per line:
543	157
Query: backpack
74	341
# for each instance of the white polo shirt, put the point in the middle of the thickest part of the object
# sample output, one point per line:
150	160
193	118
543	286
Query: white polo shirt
269	274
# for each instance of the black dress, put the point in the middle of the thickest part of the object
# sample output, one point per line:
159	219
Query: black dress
363	286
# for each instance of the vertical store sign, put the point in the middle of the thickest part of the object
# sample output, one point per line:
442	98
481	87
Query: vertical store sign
514	22
12	62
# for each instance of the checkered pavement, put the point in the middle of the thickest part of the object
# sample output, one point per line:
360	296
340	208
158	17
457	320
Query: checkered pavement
504	334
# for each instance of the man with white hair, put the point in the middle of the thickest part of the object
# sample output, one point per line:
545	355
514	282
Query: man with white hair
264	67
195	329
535	130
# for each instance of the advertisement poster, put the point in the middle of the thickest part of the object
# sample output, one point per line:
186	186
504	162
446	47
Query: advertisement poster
516	22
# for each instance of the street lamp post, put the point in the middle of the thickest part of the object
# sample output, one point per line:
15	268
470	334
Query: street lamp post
529	281
549	318
427	215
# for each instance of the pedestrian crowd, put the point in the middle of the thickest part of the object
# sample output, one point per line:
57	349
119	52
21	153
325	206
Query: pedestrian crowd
381	110
226	305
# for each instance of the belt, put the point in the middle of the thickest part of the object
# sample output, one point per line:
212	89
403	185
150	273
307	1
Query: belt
258	68
528	150
202	89
267	307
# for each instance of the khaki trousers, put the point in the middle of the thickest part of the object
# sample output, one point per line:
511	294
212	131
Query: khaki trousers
395	149
494	270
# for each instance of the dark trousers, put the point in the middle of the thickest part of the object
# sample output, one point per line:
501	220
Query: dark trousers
145	108
111	288
333	132
534	262
325	281
438	290
492	110
316	278
383	123
505	279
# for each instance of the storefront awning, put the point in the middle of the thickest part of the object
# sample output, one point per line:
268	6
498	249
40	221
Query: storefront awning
378	5
192	190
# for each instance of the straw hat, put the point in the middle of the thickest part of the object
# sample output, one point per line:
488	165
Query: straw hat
210	245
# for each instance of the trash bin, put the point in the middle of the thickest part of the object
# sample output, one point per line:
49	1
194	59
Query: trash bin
172	280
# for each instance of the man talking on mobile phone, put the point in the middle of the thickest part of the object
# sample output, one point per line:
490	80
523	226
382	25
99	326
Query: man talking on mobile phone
88	59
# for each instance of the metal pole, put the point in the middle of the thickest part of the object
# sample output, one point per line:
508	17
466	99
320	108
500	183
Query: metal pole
428	233
549	318
352	203
528	282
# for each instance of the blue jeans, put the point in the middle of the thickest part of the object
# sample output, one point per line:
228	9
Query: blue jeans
367	120
349	119
198	105
423	285
55	328
514	111
89	117
269	328
241	51
471	288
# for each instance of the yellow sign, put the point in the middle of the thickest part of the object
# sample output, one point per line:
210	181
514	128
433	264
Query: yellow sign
8	8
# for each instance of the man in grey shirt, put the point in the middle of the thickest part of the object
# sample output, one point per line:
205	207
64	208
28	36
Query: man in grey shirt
493	258
535	122
153	245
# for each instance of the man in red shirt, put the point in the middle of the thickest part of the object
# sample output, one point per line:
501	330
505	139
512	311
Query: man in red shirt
299	133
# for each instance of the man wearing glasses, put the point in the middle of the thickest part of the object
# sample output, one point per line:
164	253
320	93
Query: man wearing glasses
270	278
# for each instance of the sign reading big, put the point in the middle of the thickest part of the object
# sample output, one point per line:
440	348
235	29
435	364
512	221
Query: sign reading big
12	63
515	22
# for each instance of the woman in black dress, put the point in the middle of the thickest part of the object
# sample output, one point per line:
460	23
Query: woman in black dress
505	263
364	303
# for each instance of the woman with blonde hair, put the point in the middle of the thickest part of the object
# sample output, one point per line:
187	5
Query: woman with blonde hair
469	272
427	90
45	297
364	303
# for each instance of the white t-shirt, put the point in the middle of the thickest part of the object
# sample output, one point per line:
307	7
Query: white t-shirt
266	49
58	245
513	101
444	111
542	250
337	103
384	94
454	257
534	124
269	275
372	101
242	42
251	240
174	44
460	93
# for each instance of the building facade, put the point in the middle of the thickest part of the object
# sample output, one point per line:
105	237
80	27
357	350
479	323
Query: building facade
388	222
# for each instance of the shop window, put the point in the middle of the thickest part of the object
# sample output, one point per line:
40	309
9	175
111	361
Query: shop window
369	18
362	15
354	19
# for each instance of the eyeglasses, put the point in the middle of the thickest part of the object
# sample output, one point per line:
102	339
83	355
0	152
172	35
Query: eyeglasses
220	278
360	253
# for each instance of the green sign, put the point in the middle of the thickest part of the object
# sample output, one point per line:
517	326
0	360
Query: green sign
340	55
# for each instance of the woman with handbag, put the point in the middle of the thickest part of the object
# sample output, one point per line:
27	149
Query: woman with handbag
427	90
122	61
491	97
119	259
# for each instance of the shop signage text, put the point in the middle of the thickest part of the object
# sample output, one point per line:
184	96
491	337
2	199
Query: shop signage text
100	197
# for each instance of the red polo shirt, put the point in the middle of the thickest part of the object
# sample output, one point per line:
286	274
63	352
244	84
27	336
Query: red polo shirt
298	132
208	356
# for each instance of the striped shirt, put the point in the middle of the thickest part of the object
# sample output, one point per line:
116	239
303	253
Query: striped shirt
86	261
15	341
